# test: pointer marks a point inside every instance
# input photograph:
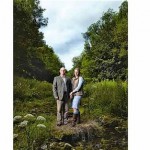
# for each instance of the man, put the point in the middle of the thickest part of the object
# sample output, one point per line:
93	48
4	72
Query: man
61	89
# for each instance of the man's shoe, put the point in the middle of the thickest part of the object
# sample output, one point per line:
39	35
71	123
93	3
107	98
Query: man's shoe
78	118
65	123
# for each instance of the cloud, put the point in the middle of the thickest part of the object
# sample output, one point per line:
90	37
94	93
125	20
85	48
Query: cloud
72	52
67	20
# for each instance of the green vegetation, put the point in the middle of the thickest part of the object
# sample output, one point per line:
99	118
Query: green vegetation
105	54
30	89
106	97
103	63
32	57
104	104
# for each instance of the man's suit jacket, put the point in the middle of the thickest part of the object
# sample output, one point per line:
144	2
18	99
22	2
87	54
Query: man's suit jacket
58	87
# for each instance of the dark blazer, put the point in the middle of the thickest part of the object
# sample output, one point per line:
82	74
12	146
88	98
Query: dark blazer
58	87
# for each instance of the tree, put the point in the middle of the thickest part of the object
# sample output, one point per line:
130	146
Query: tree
105	53
32	57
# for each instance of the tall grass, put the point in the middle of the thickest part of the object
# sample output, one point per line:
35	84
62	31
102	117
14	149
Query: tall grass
106	97
30	89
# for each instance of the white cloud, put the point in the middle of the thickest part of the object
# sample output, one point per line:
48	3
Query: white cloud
67	20
67	57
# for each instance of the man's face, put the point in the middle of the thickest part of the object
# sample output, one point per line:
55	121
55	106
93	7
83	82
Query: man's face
62	71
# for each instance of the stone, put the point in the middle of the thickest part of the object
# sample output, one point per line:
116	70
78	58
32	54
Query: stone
44	147
61	144
67	146
97	146
53	145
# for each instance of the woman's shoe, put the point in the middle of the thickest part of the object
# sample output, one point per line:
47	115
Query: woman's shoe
74	120
78	118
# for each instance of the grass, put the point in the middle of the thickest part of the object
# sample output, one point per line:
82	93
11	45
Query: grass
28	135
106	98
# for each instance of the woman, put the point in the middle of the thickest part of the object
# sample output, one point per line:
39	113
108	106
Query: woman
77	86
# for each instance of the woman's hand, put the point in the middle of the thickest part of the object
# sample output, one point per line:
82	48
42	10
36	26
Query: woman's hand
71	93
71	96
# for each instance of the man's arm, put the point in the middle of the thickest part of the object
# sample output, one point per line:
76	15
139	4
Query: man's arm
70	85
55	93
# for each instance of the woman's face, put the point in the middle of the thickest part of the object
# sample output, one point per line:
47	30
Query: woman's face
76	72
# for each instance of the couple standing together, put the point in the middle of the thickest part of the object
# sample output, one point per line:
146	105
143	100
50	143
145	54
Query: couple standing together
65	89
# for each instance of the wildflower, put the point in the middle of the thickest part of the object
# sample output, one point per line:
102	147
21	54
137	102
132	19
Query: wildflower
41	118
15	136
28	116
16	118
91	98
23	124
41	126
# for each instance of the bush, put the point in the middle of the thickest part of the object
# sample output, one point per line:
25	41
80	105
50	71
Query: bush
106	97
29	89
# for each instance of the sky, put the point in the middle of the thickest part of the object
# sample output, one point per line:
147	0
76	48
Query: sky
67	20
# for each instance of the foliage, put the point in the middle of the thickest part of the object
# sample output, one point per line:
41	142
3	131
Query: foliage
41	63
105	52
104	58
106	97
33	136
32	57
29	89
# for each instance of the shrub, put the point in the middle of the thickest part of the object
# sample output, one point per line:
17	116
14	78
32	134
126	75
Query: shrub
29	89
106	97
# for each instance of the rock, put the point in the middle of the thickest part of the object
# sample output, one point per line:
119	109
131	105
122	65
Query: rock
118	129
41	126
23	124
44	147
53	145
97	146
41	118
67	146
17	118
61	144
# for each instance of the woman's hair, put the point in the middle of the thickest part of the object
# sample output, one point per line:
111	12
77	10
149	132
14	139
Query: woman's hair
78	71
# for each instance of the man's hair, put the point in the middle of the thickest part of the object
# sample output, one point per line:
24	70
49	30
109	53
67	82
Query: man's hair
63	68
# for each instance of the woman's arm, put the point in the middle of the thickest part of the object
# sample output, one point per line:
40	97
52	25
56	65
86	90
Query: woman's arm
79	85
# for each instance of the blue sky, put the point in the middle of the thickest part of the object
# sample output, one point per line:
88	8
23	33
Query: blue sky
67	20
